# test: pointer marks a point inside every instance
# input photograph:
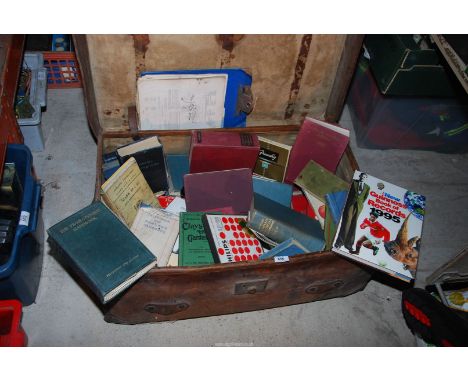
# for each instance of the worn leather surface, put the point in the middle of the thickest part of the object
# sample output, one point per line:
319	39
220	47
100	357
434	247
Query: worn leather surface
188	292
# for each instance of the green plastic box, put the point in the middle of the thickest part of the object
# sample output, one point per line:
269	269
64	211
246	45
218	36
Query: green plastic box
408	65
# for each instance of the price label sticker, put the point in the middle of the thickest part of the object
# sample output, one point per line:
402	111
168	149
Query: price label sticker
24	218
281	259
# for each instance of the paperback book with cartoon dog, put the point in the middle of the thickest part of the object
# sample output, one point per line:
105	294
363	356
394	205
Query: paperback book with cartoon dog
381	226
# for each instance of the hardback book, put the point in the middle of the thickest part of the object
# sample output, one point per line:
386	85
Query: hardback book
158	230
217	151
316	181
110	164
335	202
277	191
320	141
381	226
110	157
329	230
149	155
101	250
272	159
290	247
125	190
229	240
279	223
177	167
228	191
194	248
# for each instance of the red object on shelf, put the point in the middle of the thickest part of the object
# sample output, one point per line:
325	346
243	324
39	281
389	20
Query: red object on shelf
11	332
63	71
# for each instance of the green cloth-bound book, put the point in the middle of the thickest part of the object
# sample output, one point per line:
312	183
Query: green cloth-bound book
102	250
194	248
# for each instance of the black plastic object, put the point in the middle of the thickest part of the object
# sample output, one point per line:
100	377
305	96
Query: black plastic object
433	321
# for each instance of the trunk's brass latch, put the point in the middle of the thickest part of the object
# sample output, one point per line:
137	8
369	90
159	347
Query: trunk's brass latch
245	100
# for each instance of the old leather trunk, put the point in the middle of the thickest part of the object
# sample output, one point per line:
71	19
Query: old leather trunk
186	292
293	76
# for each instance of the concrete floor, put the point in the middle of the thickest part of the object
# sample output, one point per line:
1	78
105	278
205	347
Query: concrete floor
64	315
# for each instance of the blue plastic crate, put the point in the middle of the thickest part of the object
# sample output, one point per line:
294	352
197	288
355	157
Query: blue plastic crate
20	275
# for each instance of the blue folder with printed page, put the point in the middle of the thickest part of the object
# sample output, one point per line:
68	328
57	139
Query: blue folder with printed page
214	103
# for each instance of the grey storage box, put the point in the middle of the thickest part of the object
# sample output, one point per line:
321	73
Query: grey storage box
31	127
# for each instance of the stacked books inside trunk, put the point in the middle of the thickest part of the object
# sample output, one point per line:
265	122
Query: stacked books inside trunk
236	197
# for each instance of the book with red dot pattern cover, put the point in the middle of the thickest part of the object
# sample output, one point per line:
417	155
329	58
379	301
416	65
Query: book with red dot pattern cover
230	241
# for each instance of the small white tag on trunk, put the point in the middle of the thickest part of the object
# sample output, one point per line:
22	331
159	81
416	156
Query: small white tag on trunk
281	259
24	218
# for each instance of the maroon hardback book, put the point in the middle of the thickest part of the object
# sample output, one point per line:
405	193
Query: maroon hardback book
228	191
319	141
216	151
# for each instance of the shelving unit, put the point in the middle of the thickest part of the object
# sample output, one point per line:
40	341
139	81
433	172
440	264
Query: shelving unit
11	55
457	64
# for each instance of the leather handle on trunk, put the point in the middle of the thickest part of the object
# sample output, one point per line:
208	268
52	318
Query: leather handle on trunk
323	287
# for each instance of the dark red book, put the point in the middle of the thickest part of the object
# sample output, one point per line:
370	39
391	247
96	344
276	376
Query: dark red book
228	191
217	151
319	141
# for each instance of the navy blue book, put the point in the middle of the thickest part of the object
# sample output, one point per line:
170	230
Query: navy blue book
271	189
102	250
110	164
278	223
336	202
149	155
177	167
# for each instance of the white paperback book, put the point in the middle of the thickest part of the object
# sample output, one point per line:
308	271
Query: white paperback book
157	230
